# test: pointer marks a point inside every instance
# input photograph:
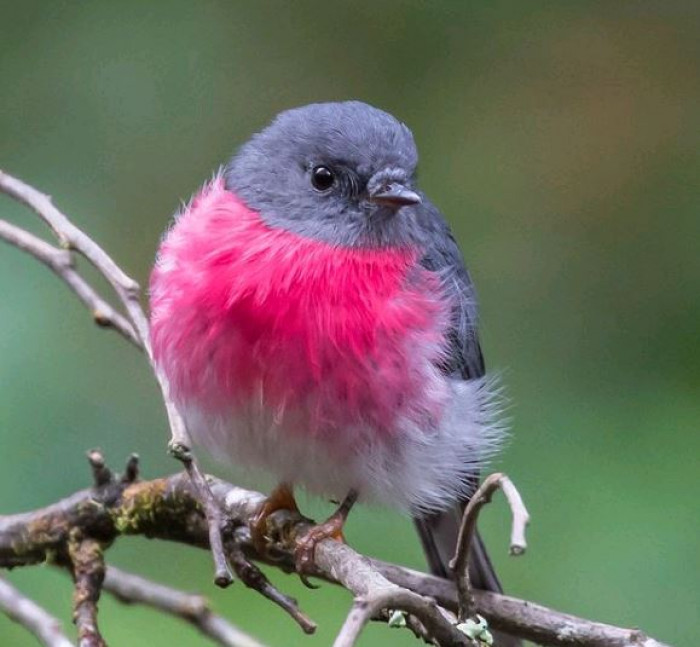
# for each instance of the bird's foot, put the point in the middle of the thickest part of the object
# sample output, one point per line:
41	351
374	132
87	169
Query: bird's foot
332	528
281	498
305	548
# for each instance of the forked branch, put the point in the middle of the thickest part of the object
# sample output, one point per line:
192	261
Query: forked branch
169	509
467	531
135	328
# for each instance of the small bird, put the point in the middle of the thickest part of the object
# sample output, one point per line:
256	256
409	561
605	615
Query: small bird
313	315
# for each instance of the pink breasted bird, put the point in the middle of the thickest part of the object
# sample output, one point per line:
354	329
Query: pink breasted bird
312	312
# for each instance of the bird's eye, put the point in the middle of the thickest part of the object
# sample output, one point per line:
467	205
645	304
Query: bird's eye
322	178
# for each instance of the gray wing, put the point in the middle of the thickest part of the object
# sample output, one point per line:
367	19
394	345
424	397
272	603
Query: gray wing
443	257
438	532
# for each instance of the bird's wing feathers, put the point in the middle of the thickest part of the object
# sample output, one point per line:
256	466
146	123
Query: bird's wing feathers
443	257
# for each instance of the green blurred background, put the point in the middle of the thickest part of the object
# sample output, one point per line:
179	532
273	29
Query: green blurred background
561	141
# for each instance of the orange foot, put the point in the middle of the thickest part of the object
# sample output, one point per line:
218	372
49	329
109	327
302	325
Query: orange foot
332	528
281	498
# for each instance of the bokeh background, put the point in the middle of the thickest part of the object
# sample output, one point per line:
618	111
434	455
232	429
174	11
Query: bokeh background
561	141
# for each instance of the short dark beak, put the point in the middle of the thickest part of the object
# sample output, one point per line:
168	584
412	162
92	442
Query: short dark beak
394	195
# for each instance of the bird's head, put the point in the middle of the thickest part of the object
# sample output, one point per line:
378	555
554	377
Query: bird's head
339	172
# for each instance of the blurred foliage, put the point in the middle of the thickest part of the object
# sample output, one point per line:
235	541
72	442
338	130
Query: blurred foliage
561	140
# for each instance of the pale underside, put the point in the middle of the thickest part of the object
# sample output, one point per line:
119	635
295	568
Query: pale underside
415	469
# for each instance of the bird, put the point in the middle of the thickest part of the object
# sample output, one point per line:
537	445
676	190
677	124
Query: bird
313	315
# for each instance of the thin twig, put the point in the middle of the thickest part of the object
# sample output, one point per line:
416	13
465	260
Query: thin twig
133	589
215	518
460	562
71	238
131	470
31	616
437	623
101	474
374	593
60	262
255	579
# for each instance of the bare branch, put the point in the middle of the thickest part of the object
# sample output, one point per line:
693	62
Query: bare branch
215	518
437	623
71	238
460	562
255	579
338	563
133	589
30	615
521	517
522	618
88	571
60	262
169	509
119	507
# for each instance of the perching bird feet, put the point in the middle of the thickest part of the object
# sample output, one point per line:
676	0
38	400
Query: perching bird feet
332	528
281	498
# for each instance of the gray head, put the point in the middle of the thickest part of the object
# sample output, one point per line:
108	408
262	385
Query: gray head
339	172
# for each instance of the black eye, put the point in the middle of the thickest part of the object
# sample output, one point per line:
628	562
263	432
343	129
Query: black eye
322	178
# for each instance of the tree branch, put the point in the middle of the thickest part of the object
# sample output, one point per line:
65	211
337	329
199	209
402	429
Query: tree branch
87	565
440	626
460	563
169	509
528	620
30	615
71	238
255	579
133	589
60	262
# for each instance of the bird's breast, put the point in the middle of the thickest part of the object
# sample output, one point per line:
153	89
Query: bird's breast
324	336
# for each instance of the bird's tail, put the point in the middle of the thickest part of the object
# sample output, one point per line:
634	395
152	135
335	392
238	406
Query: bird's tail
438	534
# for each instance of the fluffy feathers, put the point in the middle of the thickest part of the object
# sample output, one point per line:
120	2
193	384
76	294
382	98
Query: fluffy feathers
321	363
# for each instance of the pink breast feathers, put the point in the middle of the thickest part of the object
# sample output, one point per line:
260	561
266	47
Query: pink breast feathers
331	338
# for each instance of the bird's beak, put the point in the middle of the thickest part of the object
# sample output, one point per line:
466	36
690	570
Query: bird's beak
394	195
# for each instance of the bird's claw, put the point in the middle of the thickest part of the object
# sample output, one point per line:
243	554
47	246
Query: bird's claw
305	550
281	498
